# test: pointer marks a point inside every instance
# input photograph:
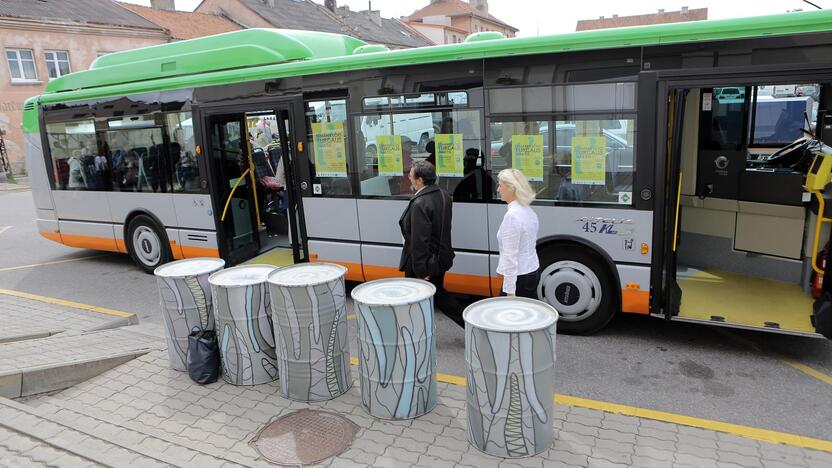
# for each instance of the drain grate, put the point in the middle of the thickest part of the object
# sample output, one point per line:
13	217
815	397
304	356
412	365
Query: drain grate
305	437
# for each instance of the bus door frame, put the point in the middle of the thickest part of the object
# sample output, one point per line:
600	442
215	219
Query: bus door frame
297	175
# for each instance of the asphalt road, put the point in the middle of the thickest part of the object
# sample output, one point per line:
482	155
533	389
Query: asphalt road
707	372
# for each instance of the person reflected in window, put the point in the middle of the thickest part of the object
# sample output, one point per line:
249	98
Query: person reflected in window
517	236
430	148
474	176
426	229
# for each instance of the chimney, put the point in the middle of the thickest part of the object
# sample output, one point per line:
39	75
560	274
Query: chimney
685	10
270	3
331	5
615	16
375	16
661	10
163	5
480	5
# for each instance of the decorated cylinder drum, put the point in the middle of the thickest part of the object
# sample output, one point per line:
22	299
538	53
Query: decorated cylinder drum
244	325
309	311
510	356
185	297
396	346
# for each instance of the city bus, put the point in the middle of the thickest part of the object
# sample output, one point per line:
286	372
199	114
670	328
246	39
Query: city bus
655	195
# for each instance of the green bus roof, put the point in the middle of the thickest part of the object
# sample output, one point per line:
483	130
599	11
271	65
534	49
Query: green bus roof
205	61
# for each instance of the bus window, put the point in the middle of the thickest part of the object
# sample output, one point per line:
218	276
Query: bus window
388	144
74	152
780	112
326	124
603	175
137	154
182	152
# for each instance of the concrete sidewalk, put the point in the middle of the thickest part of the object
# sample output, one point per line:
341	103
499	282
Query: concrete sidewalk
144	414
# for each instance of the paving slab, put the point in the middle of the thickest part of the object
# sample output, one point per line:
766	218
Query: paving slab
219	420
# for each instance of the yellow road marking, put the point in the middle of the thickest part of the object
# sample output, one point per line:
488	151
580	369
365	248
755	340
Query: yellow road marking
14	189
808	370
61	302
56	262
791	362
748	432
351	317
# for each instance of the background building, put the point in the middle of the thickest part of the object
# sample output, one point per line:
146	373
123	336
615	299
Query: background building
451	21
367	25
45	39
615	21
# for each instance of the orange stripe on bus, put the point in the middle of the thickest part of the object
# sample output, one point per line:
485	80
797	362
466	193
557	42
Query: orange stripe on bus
176	250
636	302
89	242
454	282
354	271
121	245
53	236
468	284
193	252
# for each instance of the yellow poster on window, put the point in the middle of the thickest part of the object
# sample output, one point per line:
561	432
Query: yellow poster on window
527	155
330	149
389	149
449	154
589	160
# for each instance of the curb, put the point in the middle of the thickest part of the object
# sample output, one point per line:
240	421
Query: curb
43	379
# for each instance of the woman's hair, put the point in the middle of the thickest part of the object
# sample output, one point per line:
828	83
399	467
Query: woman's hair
515	181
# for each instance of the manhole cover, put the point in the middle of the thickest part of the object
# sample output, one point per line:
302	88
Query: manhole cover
305	437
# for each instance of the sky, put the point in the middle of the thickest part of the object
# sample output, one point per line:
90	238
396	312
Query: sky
539	17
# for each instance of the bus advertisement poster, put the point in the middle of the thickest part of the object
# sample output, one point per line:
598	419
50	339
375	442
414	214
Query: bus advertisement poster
449	154
389	155
330	149
589	160
527	155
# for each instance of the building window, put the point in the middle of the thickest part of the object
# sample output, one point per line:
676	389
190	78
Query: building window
21	64
57	63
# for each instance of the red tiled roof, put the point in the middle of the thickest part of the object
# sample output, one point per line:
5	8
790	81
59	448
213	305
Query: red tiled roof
698	14
454	8
183	24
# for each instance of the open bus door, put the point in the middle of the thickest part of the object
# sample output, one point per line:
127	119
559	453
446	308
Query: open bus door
673	182
256	220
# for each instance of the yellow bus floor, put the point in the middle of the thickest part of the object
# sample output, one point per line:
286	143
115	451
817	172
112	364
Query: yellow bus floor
277	257
730	298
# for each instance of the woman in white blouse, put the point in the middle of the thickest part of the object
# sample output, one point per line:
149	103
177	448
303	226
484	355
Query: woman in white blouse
517	236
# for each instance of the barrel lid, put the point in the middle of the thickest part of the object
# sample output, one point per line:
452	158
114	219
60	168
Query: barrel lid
243	275
510	314
189	267
306	274
393	292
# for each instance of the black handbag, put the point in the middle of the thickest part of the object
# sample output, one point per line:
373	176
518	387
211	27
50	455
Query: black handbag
203	357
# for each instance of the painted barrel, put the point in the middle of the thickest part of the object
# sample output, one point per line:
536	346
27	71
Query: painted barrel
510	356
244	325
185	298
396	346
309	311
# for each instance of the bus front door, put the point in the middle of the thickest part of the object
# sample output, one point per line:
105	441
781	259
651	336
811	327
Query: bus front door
232	187
257	183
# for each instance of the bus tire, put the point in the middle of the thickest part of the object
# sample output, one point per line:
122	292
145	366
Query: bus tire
147	243
580	286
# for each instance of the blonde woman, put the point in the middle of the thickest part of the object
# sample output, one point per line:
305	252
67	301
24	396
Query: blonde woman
517	236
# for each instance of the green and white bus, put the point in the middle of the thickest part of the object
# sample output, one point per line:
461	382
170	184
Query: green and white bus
657	193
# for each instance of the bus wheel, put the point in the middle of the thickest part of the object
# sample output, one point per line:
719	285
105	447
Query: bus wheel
147	243
580	287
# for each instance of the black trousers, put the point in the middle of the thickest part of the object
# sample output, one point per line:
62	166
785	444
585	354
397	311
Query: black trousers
526	285
443	299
